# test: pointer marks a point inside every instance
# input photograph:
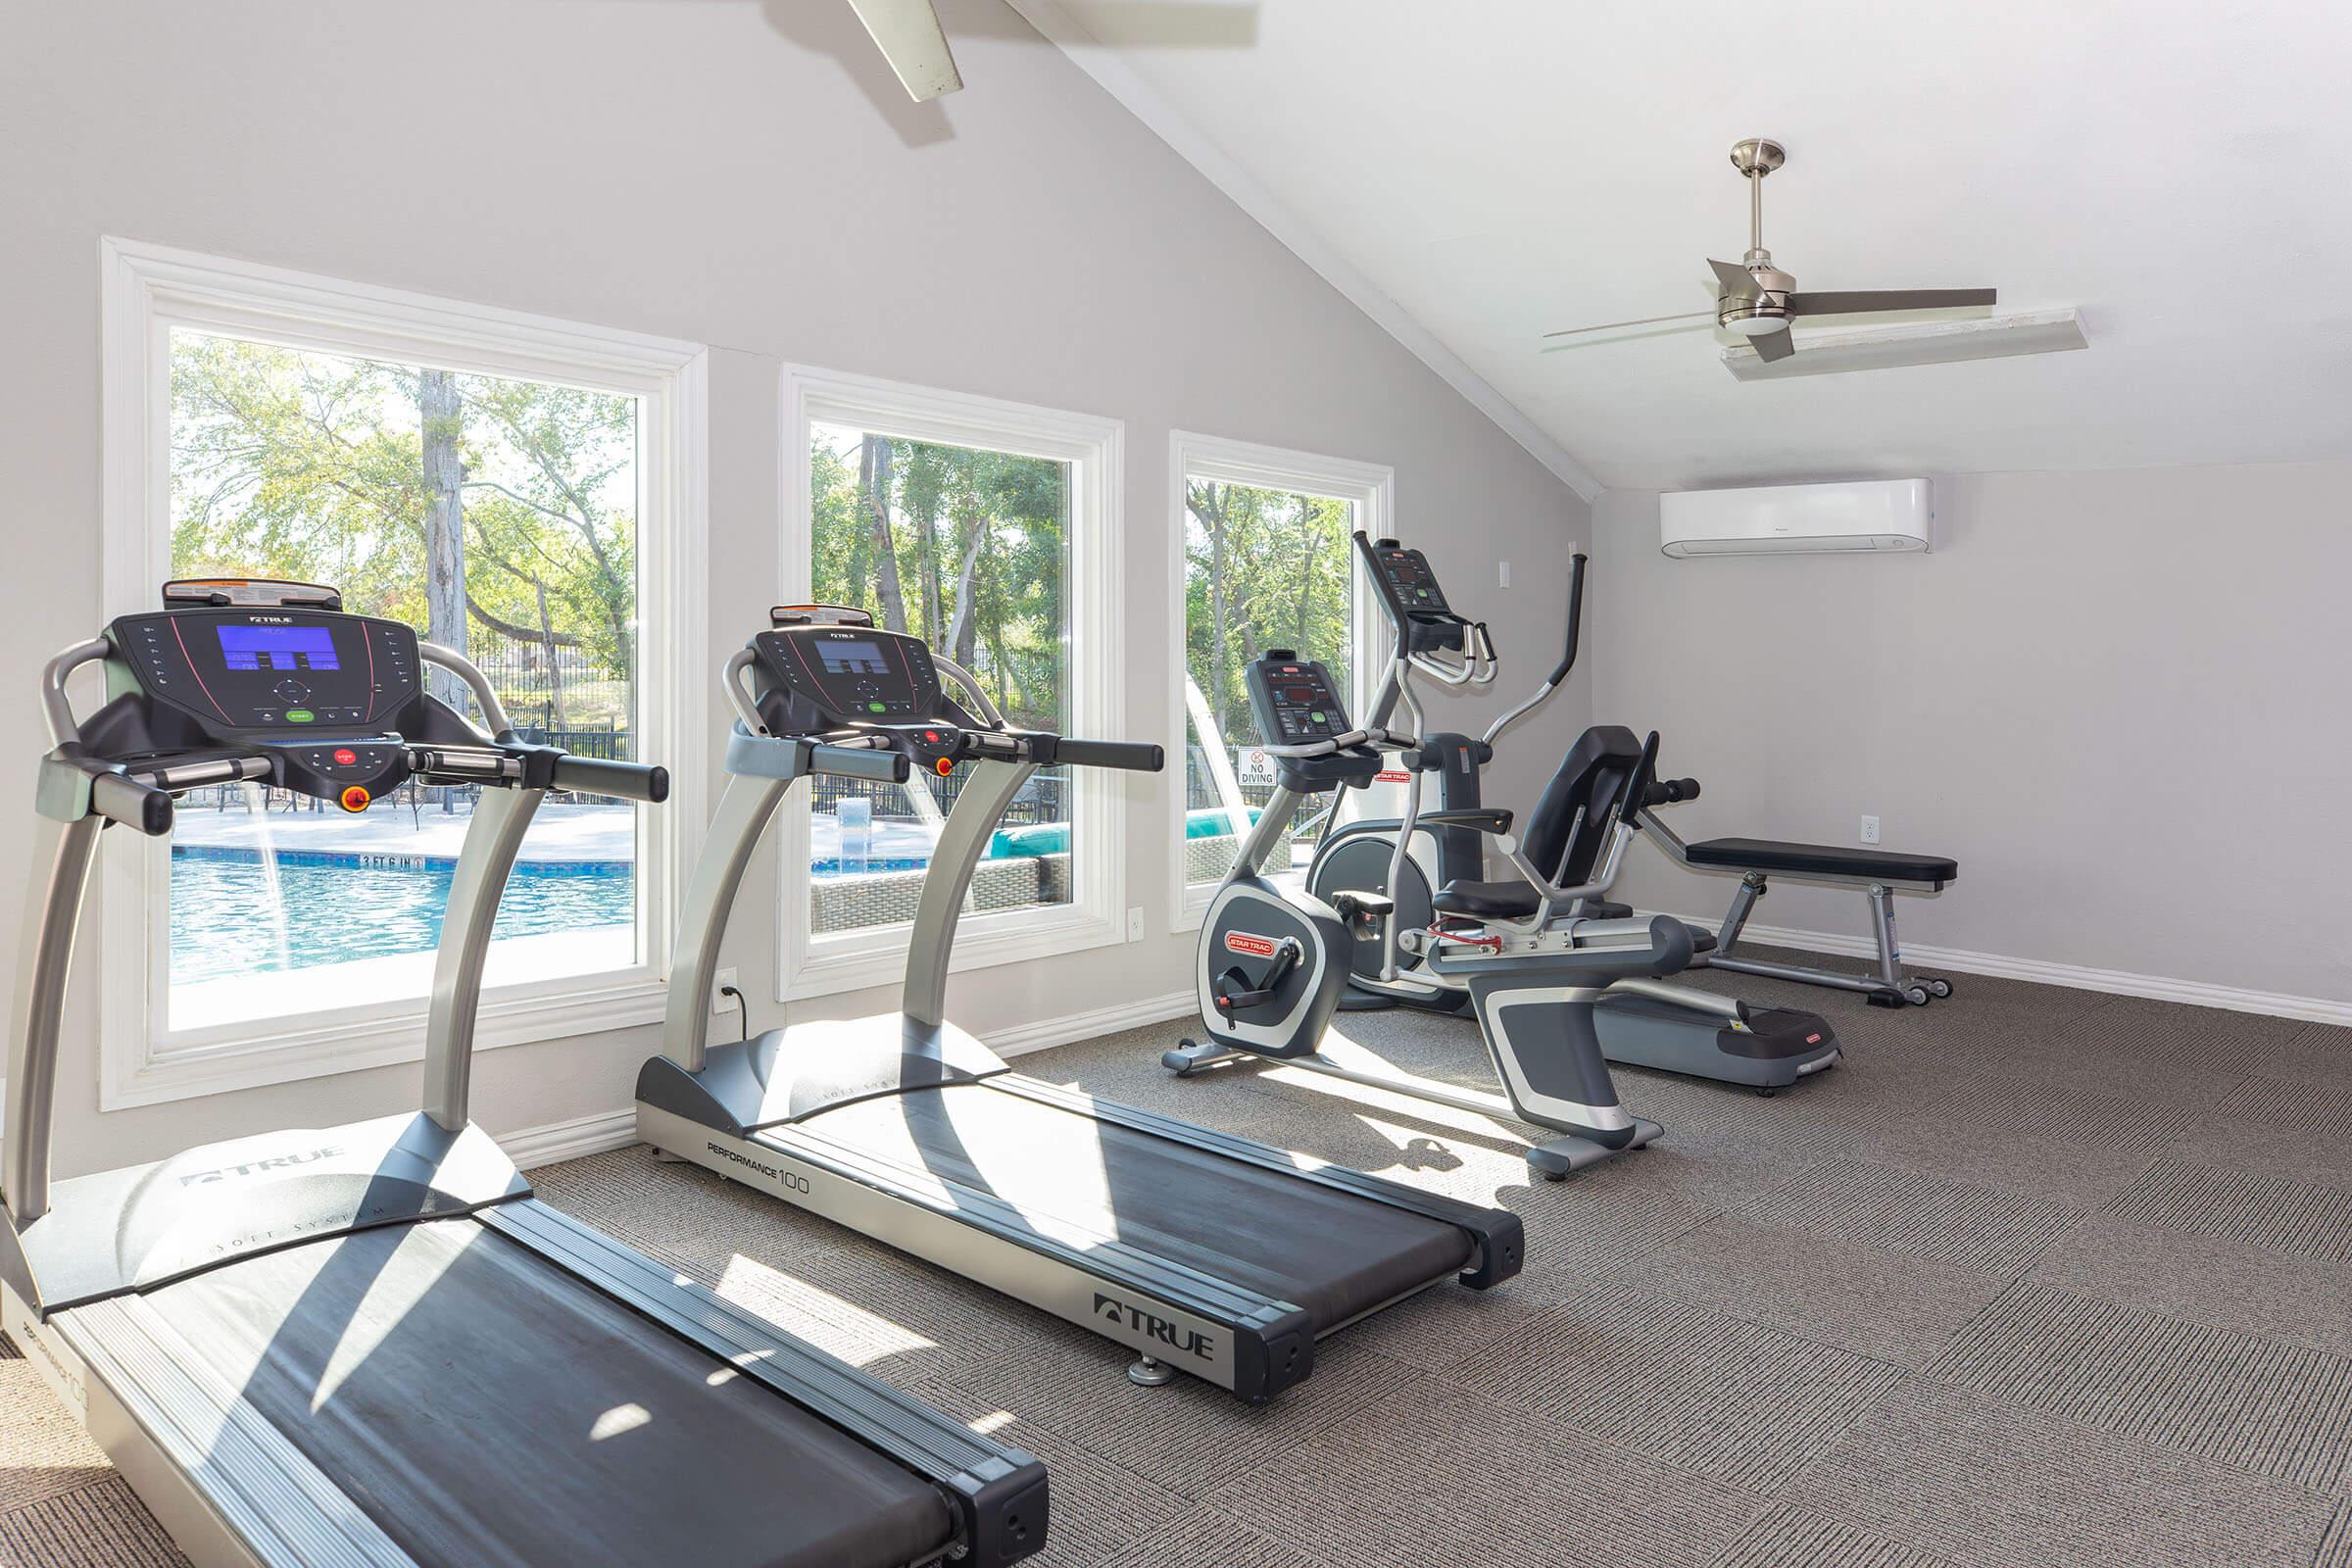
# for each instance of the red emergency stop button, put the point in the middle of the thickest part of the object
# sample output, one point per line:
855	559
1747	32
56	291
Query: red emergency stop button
345	756
944	767
356	799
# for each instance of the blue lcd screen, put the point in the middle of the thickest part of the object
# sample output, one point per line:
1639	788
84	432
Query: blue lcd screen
278	648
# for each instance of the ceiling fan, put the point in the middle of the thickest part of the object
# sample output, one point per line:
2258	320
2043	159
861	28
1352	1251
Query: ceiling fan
1758	299
909	36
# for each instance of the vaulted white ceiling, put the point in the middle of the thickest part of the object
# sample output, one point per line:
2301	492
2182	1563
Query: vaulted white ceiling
2181	172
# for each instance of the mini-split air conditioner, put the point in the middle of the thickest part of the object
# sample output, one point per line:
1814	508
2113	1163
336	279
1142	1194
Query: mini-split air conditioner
1880	514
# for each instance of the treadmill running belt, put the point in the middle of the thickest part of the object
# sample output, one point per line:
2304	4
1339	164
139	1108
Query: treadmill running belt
1079	1180
488	1410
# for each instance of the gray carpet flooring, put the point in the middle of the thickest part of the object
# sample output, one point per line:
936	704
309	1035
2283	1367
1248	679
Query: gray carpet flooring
2037	1277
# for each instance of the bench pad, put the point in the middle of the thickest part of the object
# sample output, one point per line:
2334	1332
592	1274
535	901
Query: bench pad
1821	860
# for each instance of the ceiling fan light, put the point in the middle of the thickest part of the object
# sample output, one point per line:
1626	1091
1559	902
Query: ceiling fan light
1757	326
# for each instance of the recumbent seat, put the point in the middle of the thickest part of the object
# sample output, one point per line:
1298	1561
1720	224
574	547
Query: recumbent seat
1565	833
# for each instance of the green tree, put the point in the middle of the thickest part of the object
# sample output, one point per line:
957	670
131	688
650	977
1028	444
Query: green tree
460	504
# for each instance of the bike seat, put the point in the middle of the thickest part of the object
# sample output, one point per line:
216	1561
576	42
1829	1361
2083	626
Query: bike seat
1486	900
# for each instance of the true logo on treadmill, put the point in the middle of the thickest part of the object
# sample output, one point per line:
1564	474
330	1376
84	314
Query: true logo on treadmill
257	1167
1255	947
1128	1316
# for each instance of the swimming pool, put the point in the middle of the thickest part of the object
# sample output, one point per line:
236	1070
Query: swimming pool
339	907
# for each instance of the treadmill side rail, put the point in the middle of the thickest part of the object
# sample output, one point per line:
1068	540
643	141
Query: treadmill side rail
1218	1332
1499	1235
999	1494
226	1485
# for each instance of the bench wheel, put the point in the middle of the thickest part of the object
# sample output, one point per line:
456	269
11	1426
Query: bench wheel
1939	988
1917	995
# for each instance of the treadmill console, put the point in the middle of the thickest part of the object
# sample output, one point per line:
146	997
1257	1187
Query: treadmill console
852	674
242	671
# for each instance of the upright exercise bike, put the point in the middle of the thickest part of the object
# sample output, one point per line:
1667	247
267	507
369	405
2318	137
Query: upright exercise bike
1568	839
1273	960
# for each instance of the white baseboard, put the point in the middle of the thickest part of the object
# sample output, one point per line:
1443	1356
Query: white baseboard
583	1136
576	1139
1073	1027
2116	982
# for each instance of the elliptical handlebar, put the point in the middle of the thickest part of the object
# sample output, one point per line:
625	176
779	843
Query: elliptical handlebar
1559	672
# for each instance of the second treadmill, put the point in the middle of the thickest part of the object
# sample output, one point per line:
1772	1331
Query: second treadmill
1213	1255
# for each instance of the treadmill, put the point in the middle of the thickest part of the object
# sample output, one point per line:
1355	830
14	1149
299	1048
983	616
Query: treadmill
1212	1254
368	1345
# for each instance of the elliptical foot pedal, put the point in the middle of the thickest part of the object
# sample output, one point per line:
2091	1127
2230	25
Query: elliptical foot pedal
1148	1373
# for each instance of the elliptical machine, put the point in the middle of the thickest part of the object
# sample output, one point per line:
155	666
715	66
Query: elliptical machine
1273	960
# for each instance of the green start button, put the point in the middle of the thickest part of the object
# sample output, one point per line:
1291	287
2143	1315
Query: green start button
299	716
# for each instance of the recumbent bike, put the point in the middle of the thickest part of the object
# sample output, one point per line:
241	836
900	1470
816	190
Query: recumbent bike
1273	960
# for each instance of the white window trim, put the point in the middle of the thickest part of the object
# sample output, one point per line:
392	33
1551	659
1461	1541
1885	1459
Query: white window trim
148	290
1371	486
809	965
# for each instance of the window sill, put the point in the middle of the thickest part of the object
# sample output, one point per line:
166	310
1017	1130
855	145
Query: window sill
879	958
325	1046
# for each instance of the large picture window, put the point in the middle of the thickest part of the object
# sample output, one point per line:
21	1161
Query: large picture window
1265	561
981	527
508	516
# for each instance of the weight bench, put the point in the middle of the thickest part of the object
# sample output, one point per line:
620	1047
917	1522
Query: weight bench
1880	873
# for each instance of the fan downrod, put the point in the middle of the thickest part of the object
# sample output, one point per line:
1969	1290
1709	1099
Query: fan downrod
1757	155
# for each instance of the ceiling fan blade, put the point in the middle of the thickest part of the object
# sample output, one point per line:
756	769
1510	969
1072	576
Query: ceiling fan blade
1773	345
909	35
1854	301
1645	320
1737	283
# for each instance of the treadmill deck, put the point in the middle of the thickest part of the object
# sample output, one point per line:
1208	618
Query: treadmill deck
1081	1181
488	1408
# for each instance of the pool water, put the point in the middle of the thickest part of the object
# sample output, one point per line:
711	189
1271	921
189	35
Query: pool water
224	916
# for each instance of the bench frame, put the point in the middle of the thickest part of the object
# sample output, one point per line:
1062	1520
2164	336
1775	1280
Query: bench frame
1888	987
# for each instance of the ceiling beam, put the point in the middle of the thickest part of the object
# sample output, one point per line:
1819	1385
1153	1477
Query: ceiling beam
1144	101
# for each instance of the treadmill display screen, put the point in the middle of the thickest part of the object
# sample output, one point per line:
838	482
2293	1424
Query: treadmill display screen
250	647
851	658
279	668
850	675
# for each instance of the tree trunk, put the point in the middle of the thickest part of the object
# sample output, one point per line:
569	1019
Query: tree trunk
1208	505
1307	579
873	490
963	630
926	557
437	406
554	660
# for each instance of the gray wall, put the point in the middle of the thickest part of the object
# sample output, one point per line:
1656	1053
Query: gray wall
741	175
2117	699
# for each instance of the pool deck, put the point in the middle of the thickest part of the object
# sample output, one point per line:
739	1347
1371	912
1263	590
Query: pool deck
561	834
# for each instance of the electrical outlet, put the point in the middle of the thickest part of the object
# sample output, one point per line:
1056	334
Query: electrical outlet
1505	573
720	1002
1869	830
1134	923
